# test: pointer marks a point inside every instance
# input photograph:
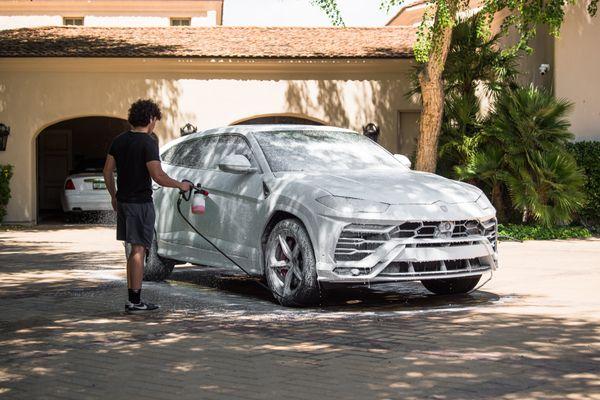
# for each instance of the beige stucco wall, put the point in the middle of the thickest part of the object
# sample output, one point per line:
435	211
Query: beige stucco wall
29	21
577	70
35	93
127	13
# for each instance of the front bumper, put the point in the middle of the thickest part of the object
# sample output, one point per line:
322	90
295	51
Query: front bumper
401	260
425	255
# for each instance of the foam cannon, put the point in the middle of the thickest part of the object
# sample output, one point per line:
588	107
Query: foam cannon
198	197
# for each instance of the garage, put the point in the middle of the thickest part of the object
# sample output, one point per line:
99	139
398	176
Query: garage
68	147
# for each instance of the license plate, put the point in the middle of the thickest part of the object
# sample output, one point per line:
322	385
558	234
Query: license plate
99	185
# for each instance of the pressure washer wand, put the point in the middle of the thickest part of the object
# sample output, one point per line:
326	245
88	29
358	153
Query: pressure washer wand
197	189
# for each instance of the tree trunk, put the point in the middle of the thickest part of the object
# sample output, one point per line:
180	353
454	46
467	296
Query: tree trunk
497	201
525	218
432	94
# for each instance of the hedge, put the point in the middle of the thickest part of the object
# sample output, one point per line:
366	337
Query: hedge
6	172
532	232
587	155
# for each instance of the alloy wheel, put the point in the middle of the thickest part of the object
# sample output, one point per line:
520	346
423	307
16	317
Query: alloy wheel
285	263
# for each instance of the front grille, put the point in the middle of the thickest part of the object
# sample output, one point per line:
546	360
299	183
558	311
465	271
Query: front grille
431	229
489	229
357	241
402	268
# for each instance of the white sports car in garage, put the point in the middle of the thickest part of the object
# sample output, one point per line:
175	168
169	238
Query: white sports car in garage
308	205
85	189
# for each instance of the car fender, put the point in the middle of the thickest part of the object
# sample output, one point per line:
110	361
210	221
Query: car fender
298	210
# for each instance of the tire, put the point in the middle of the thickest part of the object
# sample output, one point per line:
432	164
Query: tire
156	268
293	280
452	285
72	217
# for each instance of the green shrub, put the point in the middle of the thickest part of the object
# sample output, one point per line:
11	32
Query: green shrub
532	232
587	155
6	172
523	162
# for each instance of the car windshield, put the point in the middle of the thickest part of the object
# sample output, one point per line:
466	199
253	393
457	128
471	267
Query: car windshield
323	151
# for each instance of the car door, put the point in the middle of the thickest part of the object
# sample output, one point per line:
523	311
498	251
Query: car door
231	207
186	160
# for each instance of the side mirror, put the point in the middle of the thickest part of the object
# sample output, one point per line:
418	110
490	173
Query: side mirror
403	160
236	164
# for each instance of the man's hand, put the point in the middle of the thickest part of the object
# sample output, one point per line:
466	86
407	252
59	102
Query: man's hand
185	186
113	201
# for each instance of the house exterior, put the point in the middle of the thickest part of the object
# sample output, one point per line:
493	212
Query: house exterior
65	91
104	13
576	66
573	59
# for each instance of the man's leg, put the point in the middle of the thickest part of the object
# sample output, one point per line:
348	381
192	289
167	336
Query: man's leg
135	274
135	267
140	228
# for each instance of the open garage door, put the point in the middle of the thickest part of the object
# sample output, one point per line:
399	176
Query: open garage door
67	147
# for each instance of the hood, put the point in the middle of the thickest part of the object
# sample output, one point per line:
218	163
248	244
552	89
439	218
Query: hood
390	186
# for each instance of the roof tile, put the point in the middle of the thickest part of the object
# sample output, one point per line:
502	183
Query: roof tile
209	42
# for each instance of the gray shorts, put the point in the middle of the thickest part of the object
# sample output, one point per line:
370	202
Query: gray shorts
135	223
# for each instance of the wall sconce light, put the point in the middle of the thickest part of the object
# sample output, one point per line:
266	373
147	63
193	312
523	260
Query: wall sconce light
4	132
188	129
371	131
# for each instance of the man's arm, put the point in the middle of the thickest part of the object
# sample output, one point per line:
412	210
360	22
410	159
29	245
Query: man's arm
159	176
109	179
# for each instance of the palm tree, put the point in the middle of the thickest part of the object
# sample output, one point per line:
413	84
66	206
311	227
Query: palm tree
475	60
552	192
522	152
485	168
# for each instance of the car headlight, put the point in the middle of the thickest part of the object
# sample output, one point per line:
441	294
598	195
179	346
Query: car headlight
349	204
483	202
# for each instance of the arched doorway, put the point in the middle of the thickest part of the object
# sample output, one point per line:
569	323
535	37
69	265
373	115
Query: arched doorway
67	146
278	119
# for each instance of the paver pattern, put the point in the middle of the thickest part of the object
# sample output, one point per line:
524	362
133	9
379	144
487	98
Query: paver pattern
533	332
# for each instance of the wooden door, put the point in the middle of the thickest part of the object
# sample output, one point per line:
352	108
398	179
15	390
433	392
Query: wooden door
408	132
54	164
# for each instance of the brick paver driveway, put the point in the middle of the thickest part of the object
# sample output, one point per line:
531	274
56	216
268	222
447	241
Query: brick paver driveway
532	332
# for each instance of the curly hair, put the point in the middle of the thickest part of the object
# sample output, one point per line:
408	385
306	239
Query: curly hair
142	111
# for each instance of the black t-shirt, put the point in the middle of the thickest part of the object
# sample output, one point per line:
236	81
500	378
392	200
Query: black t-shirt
132	150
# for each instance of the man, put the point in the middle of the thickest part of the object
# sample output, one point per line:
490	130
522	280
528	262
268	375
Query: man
134	154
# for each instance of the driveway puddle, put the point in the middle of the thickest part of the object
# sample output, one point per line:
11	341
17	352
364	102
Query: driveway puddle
394	298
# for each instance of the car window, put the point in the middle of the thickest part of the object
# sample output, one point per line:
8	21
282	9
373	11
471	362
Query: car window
198	153
194	153
229	145
168	155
